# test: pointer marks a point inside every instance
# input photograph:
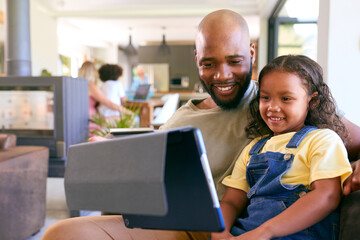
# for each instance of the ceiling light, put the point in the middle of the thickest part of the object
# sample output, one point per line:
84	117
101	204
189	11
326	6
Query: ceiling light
164	49
130	50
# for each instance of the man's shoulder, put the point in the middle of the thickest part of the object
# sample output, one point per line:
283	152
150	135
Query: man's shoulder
187	114
253	87
249	95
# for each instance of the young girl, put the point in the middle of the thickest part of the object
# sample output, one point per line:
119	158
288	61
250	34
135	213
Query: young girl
293	176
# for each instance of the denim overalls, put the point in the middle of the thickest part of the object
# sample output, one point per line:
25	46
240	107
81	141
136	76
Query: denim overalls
269	197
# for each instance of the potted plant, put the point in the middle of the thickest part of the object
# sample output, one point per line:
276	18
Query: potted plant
103	124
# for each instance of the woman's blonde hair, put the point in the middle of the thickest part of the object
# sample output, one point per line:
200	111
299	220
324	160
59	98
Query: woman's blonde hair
88	71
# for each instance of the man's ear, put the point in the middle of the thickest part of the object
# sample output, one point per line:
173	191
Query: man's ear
252	52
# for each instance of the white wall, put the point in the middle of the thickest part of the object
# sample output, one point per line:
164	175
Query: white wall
127	74
266	12
111	55
339	52
263	44
43	37
77	44
46	45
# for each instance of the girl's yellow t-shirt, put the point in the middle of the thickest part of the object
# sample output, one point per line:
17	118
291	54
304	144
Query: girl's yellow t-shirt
320	155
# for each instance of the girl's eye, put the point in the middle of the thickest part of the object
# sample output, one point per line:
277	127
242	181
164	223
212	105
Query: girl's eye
286	99
264	97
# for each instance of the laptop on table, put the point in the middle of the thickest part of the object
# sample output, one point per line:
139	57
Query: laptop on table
158	180
142	92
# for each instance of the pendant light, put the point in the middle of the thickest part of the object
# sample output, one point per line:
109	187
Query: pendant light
130	50
164	49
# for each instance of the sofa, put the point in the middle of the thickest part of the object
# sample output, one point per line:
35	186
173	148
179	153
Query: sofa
23	176
349	217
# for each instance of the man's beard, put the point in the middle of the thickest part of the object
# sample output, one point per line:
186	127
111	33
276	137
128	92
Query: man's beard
233	103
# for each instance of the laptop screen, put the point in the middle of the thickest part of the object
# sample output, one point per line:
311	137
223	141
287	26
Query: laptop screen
142	92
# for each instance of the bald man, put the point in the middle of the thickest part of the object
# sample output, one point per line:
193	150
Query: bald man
224	57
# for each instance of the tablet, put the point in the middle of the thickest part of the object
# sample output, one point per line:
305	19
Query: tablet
191	196
159	180
129	131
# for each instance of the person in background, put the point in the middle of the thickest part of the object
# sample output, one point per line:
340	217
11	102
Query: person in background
88	71
224	57
139	78
112	88
292	175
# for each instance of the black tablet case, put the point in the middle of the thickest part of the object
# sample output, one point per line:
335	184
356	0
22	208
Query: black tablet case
158	180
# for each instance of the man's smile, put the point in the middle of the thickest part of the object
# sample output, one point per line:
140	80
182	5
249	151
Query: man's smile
224	89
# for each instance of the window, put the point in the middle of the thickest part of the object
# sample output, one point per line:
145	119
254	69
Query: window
293	28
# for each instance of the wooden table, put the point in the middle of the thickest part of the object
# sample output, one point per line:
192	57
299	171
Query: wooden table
146	113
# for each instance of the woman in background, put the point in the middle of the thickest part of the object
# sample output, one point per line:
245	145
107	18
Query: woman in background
96	96
139	78
89	72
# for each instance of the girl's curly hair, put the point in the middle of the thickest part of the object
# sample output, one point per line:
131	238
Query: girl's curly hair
110	72
322	108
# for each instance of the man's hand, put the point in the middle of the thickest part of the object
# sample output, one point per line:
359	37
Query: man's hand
223	235
257	234
352	183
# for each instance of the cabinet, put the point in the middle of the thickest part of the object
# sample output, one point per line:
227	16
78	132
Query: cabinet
181	61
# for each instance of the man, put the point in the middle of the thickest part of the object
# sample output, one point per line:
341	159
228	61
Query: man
224	57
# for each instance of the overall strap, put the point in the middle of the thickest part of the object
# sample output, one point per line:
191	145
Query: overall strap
299	136
259	145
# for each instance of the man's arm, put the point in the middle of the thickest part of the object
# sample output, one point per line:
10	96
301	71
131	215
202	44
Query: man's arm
352	183
354	147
